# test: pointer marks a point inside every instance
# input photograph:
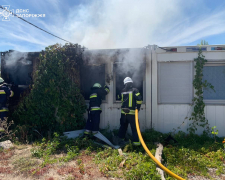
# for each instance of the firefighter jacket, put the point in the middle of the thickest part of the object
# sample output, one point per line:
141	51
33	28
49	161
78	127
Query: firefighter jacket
5	92
96	97
131	99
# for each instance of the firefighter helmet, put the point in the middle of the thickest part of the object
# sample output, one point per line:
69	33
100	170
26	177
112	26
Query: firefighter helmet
1	80
97	85
127	80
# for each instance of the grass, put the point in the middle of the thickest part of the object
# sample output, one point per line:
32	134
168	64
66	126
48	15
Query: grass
25	164
191	155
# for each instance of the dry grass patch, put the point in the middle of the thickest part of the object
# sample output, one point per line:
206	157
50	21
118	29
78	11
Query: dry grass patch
5	170
25	164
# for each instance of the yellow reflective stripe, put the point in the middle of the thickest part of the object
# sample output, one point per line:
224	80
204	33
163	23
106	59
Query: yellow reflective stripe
132	112
138	102
3	110
93	95
122	98
2	92
137	94
95	109
118	96
130	99
12	94
137	143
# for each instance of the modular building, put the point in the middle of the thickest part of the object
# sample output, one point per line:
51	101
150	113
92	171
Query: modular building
164	77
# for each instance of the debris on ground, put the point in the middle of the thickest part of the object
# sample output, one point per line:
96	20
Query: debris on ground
6	144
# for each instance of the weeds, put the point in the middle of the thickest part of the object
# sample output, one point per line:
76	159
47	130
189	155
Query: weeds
191	155
136	164
214	132
5	132
24	165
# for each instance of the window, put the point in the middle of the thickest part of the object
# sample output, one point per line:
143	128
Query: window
89	75
136	74
175	82
214	73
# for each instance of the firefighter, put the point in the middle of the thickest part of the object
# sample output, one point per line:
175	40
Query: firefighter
131	99
97	94
5	92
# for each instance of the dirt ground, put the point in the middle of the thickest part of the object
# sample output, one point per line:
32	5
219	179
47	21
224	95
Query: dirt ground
17	164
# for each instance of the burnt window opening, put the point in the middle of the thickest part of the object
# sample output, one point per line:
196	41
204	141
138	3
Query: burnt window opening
91	74
17	67
137	75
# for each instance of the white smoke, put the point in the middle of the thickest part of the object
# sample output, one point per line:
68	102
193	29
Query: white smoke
14	57
130	24
128	61
99	24
17	67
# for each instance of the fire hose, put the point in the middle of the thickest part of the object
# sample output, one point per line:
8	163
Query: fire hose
149	153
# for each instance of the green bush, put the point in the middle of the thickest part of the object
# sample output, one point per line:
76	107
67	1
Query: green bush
54	103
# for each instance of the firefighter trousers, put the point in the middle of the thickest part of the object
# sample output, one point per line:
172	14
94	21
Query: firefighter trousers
93	121
125	120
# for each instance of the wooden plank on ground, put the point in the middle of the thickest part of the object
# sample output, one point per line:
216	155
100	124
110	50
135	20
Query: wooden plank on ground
158	156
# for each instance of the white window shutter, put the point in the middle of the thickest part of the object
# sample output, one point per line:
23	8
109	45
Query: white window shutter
175	82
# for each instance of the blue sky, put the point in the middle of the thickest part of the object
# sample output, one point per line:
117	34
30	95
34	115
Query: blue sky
100	24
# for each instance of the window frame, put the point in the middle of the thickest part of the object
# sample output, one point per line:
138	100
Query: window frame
214	101
114	86
158	82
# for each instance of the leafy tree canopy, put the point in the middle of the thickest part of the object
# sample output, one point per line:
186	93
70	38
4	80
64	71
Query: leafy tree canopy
54	103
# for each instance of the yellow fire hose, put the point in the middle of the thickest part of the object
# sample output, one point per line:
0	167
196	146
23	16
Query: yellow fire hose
149	153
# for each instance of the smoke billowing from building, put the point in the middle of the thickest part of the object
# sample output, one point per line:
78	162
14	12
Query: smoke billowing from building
12	58
127	62
17	68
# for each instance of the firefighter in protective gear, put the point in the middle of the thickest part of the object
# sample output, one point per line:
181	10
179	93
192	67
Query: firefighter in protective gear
97	94
131	99
5	92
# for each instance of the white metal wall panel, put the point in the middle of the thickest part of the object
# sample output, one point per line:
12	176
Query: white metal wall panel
189	56
176	57
220	119
155	123
169	116
216	117
172	116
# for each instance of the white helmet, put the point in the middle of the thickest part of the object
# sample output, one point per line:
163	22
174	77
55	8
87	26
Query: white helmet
127	80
